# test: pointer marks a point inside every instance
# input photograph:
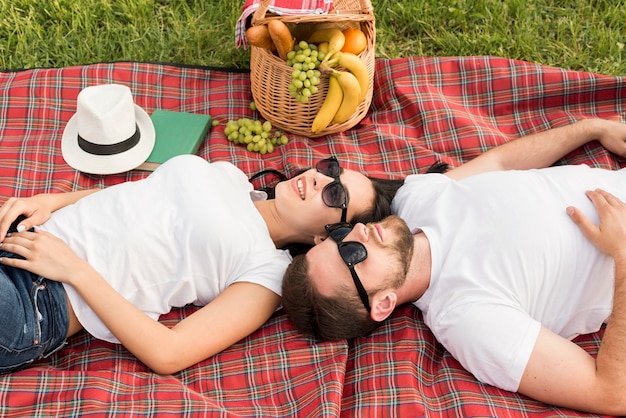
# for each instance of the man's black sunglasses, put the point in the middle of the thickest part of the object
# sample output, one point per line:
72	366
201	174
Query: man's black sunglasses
352	253
334	194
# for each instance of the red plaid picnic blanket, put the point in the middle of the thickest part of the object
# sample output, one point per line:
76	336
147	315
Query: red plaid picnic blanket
424	110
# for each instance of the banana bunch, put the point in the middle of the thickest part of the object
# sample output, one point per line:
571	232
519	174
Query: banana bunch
346	89
333	37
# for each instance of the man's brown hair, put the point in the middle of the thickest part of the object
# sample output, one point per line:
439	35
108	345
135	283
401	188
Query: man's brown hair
327	318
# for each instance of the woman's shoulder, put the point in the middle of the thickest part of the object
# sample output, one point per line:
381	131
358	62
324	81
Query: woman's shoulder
194	164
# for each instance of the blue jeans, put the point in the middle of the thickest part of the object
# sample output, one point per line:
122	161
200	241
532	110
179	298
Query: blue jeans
34	317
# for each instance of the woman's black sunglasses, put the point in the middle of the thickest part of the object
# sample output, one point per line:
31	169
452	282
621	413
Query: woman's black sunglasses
352	253
334	194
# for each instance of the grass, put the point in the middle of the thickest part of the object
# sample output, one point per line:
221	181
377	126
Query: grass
573	34
586	35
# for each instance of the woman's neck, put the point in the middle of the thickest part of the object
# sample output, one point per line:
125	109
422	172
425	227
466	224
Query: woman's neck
280	233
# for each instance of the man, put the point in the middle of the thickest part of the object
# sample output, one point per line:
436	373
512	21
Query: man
507	267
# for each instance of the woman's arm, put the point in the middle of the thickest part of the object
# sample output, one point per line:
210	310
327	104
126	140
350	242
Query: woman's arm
36	209
235	313
545	148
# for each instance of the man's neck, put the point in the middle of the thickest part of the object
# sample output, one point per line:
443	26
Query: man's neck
418	276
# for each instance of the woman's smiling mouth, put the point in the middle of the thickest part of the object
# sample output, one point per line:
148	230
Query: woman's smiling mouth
300	187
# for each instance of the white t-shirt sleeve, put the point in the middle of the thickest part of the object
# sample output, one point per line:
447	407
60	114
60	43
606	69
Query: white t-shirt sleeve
493	342
268	270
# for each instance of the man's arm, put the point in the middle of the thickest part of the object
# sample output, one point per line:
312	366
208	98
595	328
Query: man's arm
561	373
545	148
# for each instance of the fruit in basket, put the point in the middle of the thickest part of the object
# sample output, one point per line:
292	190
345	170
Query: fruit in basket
282	37
334	96
355	65
342	99
260	36
351	95
335	38
356	42
305	77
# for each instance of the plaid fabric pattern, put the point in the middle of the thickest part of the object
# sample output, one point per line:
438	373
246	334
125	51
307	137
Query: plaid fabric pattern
277	7
424	110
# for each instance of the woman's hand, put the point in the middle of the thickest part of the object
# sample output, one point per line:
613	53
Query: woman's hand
44	255
36	209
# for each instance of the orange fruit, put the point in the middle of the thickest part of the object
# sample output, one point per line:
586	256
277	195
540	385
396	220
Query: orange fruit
355	41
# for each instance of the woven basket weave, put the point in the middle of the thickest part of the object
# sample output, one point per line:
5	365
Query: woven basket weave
270	76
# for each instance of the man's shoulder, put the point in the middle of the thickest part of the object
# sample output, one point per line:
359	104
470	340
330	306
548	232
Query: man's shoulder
493	341
422	184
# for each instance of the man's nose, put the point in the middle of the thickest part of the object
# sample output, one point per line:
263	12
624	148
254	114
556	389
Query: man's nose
359	233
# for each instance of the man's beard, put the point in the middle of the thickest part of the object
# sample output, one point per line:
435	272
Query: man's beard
402	246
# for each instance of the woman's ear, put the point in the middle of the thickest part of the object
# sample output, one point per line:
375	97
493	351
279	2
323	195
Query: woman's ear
383	305
318	239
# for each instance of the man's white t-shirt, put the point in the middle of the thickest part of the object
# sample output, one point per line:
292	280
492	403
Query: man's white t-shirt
180	236
506	258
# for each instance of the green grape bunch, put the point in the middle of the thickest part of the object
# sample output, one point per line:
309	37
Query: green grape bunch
305	60
255	135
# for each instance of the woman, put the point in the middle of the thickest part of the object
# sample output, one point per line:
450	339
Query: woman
114	260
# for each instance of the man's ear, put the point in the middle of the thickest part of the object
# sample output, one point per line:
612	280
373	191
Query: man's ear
383	305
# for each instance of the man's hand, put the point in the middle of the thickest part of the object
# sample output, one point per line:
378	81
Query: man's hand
610	235
611	134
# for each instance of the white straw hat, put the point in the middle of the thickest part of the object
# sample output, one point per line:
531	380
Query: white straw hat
109	133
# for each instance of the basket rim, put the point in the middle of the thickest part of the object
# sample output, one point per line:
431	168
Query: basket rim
365	10
316	19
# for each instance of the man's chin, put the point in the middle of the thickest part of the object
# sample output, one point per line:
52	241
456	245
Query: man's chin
403	242
397	224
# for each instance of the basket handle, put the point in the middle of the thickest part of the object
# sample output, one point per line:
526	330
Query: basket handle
366	6
259	13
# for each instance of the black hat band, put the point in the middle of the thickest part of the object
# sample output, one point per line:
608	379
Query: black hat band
109	149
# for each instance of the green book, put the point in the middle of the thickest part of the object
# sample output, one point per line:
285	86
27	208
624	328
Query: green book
176	133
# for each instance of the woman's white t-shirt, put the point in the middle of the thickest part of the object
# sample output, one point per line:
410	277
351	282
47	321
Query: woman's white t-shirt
180	236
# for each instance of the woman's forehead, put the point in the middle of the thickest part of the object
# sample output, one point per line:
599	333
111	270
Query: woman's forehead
358	186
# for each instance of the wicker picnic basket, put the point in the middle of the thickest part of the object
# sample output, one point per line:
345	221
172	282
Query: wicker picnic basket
270	76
